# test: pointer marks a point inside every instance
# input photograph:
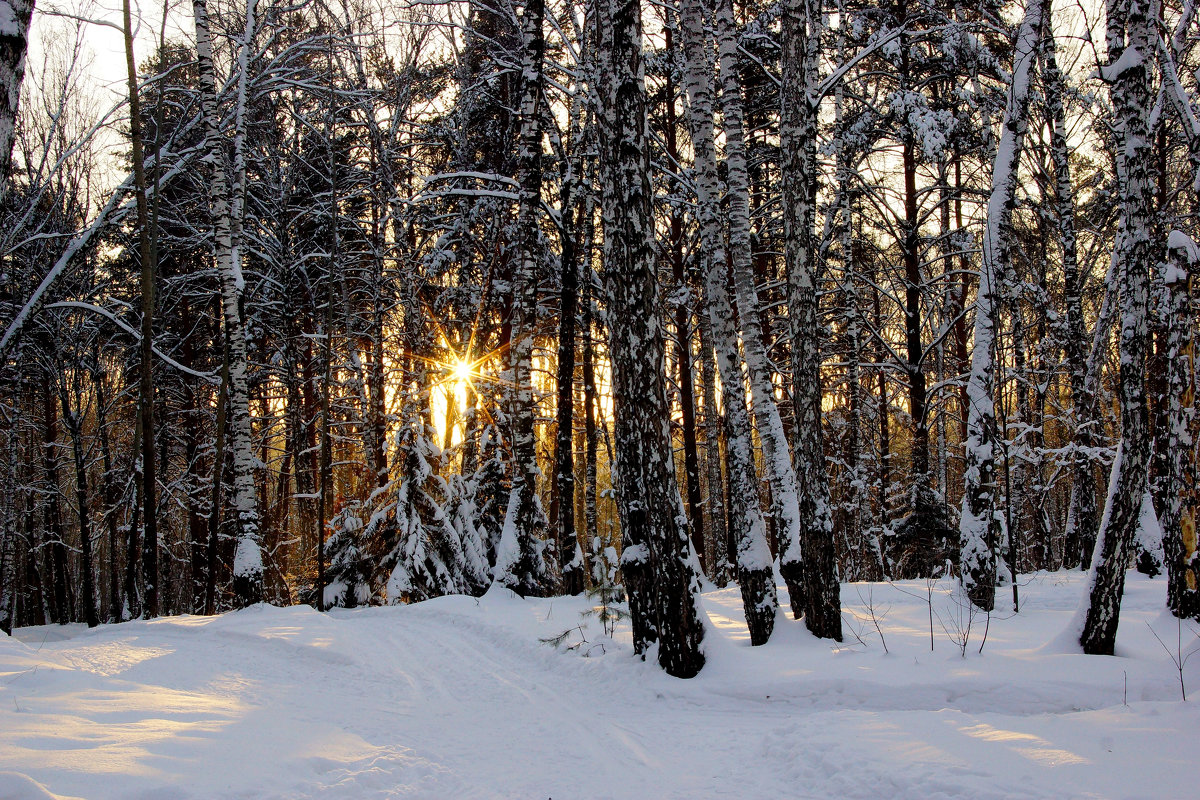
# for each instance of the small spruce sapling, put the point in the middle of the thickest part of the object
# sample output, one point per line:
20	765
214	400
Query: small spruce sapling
606	593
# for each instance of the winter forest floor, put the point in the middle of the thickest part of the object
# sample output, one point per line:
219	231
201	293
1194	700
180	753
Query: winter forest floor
457	698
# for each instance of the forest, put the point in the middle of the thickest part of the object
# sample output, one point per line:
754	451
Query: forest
365	302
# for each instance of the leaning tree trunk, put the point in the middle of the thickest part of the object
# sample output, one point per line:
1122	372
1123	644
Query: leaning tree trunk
797	139
979	530
655	561
754	567
1130	42
1178	518
248	560
519	562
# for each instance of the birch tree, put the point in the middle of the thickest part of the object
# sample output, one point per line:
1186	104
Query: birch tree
248	563
785	498
655	564
979	529
15	16
1129	43
754	569
1178	517
520	564
797	141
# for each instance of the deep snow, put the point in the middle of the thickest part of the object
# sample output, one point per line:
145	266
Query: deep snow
457	697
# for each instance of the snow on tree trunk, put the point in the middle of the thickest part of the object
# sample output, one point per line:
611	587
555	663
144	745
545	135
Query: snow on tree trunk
978	528
865	545
798	142
247	562
520	564
1178	518
754	564
1169	55
655	561
1130	43
785	499
1081	514
14	41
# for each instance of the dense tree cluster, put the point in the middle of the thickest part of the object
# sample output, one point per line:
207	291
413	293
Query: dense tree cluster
400	300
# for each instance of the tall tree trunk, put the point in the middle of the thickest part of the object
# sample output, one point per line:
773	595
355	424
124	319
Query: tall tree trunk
1178	516
109	493
715	534
590	437
798	142
979	530
869	561
60	608
248	558
658	574
681	300
86	561
1129	39
781	476
562	514
146	387
520	564
754	564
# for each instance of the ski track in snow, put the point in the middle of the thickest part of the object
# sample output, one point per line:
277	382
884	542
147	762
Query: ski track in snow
457	698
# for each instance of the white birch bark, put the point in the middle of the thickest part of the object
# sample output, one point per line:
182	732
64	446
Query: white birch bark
754	563
656	559
1130	46
797	140
1178	518
520	564
785	497
248	562
15	16
979	530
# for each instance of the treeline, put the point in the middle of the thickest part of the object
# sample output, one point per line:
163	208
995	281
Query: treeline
404	300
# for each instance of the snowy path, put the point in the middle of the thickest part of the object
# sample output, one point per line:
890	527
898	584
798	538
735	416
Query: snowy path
457	698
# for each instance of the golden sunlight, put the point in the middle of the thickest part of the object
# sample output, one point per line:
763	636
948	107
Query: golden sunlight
461	371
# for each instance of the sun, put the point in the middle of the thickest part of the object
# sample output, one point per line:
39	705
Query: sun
461	371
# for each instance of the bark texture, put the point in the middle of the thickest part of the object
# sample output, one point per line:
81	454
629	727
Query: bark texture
1130	44
798	142
754	564
655	562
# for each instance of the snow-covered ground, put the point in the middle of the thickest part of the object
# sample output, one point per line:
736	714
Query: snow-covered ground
458	698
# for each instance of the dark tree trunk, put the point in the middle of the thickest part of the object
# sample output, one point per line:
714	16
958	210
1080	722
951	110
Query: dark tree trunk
60	608
1178	516
146	386
798	142
655	561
